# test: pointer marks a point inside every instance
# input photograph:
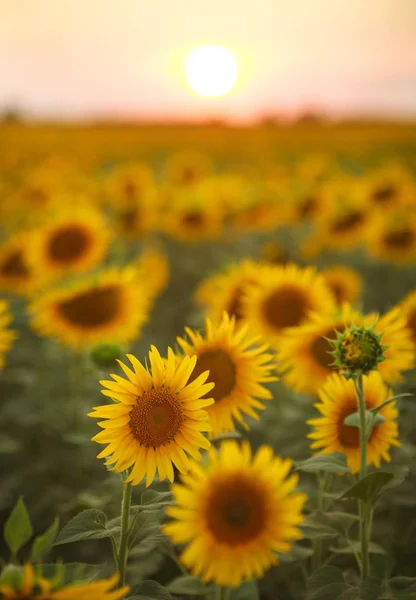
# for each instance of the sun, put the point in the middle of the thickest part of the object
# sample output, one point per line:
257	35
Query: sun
211	70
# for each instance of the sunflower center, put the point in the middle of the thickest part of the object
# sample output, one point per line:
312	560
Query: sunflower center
236	511
188	175
14	266
347	222
286	307
93	308
402	238
221	369
156	418
321	348
411	322
307	207
68	244
129	190
384	194
193	219
350	436
338	291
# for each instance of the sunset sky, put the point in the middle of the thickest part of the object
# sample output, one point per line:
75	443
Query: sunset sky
124	58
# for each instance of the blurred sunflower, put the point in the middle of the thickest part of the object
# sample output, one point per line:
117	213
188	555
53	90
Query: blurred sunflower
237	365
111	306
408	306
345	284
303	352
32	586
153	268
285	298
388	186
235	513
273	253
157	419
184	169
392	237
7	336
16	275
338	400
258	209
129	182
72	240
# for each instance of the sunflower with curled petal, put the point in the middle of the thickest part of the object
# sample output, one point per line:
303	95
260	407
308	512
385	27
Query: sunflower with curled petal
303	353
235	513
7	336
338	400
110	306
73	239
35	587
284	298
157	418
16	274
345	284
238	364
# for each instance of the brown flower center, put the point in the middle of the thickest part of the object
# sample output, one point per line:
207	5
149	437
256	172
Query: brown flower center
347	435
321	348
236	510
93	308
221	369
285	307
14	266
402	238
338	291
68	244
411	322
307	207
384	194
347	222
156	418
193	219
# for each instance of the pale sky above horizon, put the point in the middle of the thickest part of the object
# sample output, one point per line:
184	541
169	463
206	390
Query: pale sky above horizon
91	58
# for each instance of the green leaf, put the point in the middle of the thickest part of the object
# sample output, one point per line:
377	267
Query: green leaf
315	529
151	499
407	585
371	419
338	521
327	583
369	488
330	463
189	585
151	590
18	528
145	535
88	524
69	572
248	590
12	576
297	552
376	409
355	546
44	542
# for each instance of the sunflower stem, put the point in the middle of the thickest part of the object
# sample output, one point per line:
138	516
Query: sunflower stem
363	509
124	534
317	544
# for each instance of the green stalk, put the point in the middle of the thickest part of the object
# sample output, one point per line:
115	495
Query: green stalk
317	544
363	509
124	534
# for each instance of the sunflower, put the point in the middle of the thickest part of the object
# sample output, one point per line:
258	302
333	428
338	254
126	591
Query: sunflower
303	352
235	513
237	366
34	587
285	298
273	253
7	336
16	274
128	183
408	306
338	400
72	240
388	186
112	306
153	268
345	284
392	237
185	169
157	418
225	292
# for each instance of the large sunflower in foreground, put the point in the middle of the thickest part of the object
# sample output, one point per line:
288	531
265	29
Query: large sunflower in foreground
34	587
338	399
73	240
235	513
345	283
285	298
157	418
237	365
112	306
16	275
303	352
6	335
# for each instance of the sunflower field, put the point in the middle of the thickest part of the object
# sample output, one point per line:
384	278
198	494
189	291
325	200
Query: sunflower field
207	352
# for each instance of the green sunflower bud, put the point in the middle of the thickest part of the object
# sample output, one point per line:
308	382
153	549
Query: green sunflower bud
358	350
104	356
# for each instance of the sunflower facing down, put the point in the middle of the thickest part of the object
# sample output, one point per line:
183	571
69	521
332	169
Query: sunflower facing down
303	352
35	587
346	284
112	306
338	400
285	298
7	336
237	365
235	513
157	418
73	239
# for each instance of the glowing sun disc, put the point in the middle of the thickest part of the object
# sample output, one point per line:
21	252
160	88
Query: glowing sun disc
211	70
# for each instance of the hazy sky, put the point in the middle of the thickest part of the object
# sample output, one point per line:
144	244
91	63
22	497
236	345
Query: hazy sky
73	58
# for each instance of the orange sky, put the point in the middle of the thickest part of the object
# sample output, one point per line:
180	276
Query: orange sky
81	58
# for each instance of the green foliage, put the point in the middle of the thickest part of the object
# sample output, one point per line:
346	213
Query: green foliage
18	528
43	543
87	525
151	590
328	583
248	590
69	573
189	586
369	488
329	463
